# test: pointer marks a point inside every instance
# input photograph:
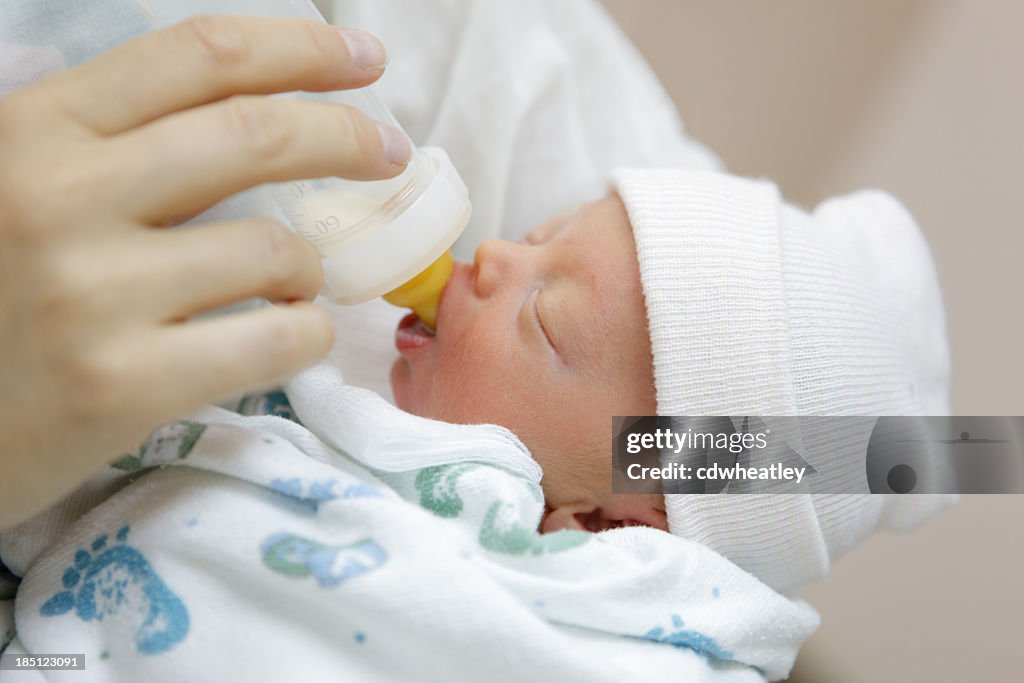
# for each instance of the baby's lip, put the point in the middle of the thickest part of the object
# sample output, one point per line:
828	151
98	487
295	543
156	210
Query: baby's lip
412	335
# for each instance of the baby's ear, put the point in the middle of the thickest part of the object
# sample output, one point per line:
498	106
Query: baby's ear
622	510
636	509
565	517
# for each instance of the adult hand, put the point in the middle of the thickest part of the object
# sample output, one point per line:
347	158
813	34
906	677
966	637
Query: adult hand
95	296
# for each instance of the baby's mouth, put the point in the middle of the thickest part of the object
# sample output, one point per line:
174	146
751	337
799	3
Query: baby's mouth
412	333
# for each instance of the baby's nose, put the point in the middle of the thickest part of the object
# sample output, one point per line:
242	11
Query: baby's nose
494	262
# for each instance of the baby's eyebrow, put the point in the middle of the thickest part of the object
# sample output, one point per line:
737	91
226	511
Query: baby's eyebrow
539	235
550	229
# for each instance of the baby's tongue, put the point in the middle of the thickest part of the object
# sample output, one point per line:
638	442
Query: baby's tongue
424	329
413	327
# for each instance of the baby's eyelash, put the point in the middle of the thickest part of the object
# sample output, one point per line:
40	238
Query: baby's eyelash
540	321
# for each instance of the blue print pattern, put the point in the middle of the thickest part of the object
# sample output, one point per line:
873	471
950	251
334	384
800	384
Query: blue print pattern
331	565
692	640
316	492
118	580
269	403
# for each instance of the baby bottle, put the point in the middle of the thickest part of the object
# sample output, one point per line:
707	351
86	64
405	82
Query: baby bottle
385	237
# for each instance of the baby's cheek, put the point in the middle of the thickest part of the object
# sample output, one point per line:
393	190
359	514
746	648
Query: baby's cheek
475	376
464	393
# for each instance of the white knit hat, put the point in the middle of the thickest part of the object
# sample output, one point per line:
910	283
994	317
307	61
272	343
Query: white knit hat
756	307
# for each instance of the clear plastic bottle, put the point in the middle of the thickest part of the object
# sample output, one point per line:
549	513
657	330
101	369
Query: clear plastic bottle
373	236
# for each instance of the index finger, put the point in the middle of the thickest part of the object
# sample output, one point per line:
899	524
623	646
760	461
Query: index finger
209	58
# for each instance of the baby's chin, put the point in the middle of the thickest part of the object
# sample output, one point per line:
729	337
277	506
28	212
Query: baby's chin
408	396
401	387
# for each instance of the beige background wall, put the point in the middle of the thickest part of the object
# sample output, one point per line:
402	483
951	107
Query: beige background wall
924	98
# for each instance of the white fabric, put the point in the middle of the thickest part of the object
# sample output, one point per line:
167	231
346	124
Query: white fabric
248	548
756	307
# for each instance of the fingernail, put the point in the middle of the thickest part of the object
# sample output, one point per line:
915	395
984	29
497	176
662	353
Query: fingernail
366	51
397	149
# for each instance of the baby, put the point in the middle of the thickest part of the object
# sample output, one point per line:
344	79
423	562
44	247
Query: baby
547	337
688	293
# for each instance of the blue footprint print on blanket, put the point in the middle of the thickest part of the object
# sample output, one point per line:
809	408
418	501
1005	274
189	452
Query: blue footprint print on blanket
331	565
310	495
119	580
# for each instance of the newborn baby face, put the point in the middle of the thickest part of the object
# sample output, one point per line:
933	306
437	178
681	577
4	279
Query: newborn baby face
547	337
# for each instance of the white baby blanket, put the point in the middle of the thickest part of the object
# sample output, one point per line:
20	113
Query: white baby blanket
375	545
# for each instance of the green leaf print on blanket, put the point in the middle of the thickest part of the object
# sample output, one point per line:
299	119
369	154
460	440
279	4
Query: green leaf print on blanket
437	488
175	440
502	532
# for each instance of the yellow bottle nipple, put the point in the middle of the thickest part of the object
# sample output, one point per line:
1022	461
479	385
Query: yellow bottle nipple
423	293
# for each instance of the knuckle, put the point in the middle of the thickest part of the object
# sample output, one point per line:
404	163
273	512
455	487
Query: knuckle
325	54
279	252
61	288
76	184
17	198
260	126
219	40
282	254
20	112
96	383
28	187
27	201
